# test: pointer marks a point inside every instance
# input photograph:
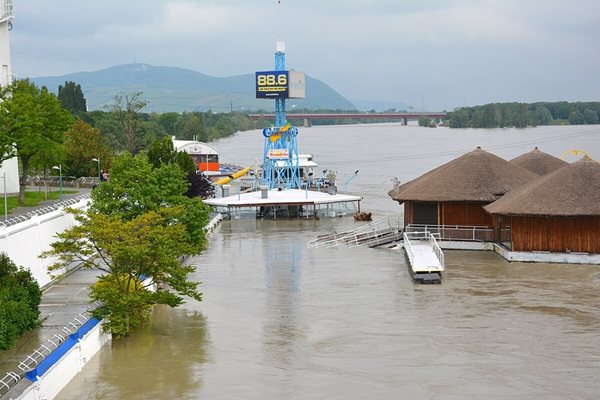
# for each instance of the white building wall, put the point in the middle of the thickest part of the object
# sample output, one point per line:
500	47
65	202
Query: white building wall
5	21
25	241
11	168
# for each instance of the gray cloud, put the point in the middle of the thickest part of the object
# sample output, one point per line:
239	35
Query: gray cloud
438	53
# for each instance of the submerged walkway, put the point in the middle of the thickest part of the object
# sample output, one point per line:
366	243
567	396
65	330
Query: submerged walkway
61	301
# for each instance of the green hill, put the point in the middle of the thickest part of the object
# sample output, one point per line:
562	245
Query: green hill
178	89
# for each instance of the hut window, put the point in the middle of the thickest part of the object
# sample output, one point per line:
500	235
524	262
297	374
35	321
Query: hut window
425	213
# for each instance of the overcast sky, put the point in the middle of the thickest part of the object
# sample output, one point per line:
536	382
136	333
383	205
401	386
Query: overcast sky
436	53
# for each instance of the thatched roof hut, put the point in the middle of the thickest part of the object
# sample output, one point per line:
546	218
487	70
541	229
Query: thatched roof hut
539	162
454	193
476	176
570	191
559	212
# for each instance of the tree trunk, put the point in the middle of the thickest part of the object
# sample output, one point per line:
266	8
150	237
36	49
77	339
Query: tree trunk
23	180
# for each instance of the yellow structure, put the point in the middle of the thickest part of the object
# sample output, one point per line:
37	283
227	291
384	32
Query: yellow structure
236	175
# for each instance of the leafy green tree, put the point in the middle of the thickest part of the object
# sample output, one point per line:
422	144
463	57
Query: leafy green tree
163	152
590	117
135	188
152	131
83	143
132	255
191	126
424	121
130	133
562	110
169	122
71	98
576	118
459	118
32	123
20	297
542	115
477	118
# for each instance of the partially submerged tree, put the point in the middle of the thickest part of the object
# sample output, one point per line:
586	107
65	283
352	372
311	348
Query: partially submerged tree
20	297
133	255
139	227
135	188
32	123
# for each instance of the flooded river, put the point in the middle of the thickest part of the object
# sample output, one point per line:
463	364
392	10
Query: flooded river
282	321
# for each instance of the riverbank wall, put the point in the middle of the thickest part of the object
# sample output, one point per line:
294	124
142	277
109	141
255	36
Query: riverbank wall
24	241
52	374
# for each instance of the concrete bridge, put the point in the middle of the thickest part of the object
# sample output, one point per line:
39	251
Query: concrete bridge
308	117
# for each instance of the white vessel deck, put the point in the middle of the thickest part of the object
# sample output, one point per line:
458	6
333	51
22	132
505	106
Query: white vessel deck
292	203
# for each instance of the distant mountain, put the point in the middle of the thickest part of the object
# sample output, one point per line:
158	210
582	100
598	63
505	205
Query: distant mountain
178	89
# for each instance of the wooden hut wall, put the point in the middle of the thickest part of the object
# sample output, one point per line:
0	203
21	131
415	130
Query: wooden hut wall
421	212
557	234
465	213
408	212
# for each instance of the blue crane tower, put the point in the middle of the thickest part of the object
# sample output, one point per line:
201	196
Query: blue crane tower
280	156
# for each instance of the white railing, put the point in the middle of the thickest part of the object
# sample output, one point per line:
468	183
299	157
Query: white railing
359	236
473	233
43	210
423	236
408	248
437	250
44	350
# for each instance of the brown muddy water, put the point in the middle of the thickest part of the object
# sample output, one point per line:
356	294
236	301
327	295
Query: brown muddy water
283	321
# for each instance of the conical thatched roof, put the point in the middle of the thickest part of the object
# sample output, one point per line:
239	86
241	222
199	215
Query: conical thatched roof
539	162
570	191
475	176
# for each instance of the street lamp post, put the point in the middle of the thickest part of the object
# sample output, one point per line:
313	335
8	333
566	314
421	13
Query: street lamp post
59	168
5	199
98	161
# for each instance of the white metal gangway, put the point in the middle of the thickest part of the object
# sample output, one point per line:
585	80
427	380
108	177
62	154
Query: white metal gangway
383	231
425	256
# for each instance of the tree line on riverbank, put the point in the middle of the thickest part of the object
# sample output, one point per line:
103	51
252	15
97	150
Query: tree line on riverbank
521	115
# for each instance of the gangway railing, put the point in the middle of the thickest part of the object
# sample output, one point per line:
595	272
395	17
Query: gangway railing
410	237
373	233
472	233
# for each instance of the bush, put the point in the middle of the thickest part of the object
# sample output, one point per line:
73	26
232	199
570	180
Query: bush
20	297
200	185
